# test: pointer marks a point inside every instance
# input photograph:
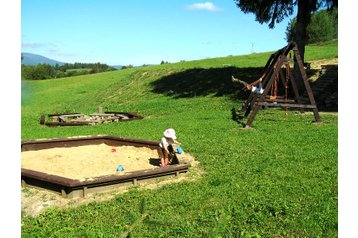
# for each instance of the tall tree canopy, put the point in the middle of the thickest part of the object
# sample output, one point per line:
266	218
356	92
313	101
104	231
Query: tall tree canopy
274	11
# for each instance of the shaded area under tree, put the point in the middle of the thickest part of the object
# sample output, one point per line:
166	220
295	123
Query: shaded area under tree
217	81
202	82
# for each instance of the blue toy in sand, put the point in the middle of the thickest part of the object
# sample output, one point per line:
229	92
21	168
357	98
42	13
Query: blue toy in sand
179	150
120	168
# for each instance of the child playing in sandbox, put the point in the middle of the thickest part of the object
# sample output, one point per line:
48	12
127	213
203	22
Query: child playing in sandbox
167	154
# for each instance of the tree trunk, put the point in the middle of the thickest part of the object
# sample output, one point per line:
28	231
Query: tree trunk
303	19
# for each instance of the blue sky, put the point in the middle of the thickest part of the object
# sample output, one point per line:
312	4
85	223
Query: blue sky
142	32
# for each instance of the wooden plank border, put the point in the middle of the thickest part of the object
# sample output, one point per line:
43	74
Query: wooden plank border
66	186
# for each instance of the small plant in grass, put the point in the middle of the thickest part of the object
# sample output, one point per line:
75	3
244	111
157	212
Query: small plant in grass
27	192
137	222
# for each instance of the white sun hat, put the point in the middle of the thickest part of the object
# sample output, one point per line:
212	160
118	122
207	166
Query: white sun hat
170	133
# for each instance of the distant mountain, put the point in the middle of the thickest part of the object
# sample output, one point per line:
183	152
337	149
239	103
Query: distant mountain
32	59
116	66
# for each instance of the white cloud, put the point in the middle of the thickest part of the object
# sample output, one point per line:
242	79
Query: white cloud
207	6
31	45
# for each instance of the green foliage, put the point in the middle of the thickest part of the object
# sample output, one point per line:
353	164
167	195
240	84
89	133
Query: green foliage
94	67
127	66
46	71
323	27
272	11
277	180
267	11
37	72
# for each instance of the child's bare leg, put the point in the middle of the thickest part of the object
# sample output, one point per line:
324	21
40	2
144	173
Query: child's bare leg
164	159
161	154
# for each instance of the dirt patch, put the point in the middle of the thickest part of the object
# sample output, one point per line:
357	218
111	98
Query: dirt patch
316	64
86	162
314	72
323	77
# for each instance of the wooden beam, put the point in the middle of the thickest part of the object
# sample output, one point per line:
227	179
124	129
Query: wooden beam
288	105
266	90
280	100
306	83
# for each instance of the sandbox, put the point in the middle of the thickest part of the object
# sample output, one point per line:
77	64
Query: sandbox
80	119
76	166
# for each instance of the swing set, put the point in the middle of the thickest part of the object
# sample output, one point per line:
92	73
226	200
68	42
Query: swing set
278	68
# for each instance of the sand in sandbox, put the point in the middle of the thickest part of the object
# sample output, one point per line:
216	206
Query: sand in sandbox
88	161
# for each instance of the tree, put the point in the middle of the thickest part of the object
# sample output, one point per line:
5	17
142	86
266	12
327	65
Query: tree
127	66
274	11
37	72
46	71
323	27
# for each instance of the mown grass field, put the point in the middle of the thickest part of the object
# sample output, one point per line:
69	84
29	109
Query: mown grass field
277	180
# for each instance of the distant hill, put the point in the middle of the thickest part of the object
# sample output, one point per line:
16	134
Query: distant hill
116	66
33	59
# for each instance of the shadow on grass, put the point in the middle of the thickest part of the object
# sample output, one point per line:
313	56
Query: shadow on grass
202	82
217	81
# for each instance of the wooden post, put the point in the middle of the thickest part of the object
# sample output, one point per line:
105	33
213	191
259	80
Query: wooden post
63	193
84	192
263	96
306	83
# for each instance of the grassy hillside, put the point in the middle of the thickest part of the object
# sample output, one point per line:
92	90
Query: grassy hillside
278	180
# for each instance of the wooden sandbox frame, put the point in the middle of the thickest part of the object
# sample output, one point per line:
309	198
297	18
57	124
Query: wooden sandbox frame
77	119
71	188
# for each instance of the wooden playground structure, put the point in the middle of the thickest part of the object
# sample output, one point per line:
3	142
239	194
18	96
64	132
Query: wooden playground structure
278	68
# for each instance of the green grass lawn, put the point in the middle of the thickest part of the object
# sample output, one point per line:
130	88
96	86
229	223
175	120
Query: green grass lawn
277	180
